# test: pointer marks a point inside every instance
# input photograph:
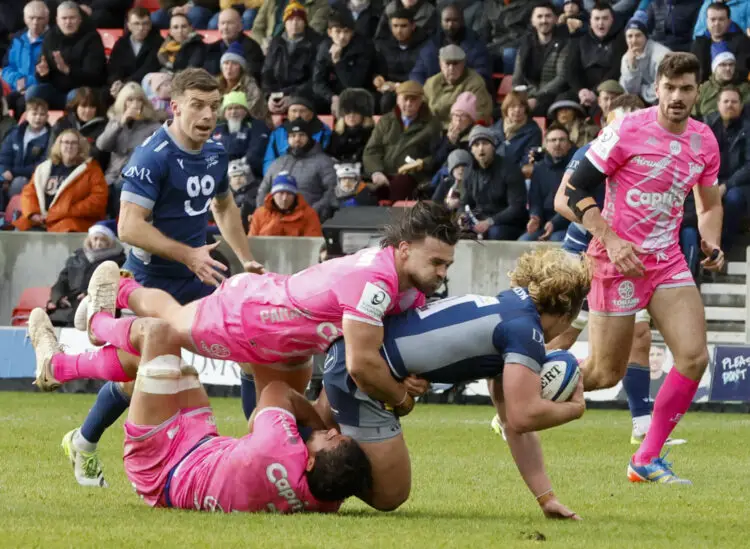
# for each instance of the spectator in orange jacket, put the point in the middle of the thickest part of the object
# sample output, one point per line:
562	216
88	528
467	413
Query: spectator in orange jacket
285	212
68	192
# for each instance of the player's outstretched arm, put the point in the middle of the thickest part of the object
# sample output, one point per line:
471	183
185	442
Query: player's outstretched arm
561	201
526	409
368	369
526	449
227	217
278	394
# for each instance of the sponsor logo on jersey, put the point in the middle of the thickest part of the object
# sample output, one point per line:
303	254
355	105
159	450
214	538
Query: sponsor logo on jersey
374	301
626	291
663	163
652	141
215	350
278	476
212	160
675	148
696	142
696	168
606	141
636	199
278	314
136	172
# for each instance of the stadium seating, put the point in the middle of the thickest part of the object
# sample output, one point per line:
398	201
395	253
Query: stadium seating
109	37
209	36
506	86
53	117
404	203
14	205
327	119
150	5
542	123
30	299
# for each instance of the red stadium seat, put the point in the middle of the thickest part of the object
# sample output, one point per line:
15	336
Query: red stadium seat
278	119
210	36
327	119
150	5
542	123
14	205
30	299
376	118
54	116
506	86
385	203
404	203
109	37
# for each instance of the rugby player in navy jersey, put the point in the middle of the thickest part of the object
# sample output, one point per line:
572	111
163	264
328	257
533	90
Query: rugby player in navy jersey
170	182
465	339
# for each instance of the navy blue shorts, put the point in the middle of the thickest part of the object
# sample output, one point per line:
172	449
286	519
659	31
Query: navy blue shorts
358	415
184	290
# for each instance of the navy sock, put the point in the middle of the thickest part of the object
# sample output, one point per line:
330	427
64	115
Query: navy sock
247	394
637	384
110	404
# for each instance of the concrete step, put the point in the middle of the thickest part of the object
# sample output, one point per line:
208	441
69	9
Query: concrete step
724	326
726	314
718	288
722	300
738	268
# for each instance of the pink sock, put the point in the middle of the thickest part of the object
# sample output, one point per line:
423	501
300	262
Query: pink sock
127	287
672	402
114	330
99	364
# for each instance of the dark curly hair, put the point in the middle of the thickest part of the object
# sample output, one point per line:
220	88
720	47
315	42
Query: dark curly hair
420	221
341	472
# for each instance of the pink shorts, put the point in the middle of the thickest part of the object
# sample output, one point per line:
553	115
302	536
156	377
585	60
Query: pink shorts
152	452
614	294
249	318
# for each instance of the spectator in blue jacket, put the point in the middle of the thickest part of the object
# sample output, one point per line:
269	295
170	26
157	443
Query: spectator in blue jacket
23	149
544	223
453	31
278	143
19	68
242	135
740	10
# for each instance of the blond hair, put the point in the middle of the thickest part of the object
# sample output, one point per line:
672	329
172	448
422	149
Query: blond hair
132	89
55	155
557	281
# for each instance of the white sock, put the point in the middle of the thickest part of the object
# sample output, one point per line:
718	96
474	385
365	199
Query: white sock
641	424
82	444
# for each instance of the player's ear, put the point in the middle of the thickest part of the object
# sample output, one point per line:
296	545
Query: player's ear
310	462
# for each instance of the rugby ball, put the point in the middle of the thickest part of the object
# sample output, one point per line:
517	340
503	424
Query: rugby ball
559	376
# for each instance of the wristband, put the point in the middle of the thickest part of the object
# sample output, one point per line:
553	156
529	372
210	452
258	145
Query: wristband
544	497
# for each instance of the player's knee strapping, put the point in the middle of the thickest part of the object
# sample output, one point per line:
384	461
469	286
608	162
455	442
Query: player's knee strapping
166	375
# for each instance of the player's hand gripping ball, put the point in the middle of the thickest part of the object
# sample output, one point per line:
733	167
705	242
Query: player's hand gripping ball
559	376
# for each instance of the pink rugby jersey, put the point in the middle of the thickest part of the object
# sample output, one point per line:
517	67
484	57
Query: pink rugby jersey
650	172
260	472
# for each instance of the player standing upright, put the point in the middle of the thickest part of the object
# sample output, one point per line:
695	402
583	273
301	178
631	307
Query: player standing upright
650	160
170	182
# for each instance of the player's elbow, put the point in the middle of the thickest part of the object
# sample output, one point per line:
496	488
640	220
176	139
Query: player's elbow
519	420
561	203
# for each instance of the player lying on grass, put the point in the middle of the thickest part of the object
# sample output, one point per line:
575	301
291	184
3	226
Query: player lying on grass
174	456
464	339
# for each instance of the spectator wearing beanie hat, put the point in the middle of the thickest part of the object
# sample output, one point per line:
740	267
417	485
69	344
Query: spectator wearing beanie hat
452	182
463	118
310	166
299	107
641	61
719	38
494	190
285	212
354	126
230	28
243	136
350	189
344	60
723	73
244	189
235	77
454	78
288	68
268	24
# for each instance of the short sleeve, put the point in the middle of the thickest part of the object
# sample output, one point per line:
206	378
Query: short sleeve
142	177
366	297
607	152
276	428
711	161
576	160
521	341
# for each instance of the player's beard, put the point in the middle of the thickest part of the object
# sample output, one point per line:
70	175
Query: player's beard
676	117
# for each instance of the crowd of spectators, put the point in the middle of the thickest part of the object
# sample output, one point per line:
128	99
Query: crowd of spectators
347	103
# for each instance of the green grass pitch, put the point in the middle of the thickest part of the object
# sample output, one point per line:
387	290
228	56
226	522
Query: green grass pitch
466	490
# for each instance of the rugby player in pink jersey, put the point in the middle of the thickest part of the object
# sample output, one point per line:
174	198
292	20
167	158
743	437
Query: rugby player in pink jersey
174	456
272	324
651	160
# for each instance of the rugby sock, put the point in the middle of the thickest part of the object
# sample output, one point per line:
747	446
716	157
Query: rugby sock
110	404
114	330
99	364
672	402
247	394
637	384
127	287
